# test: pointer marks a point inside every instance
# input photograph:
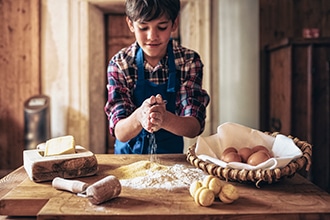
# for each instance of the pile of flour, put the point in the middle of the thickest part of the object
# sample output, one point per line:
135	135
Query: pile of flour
152	175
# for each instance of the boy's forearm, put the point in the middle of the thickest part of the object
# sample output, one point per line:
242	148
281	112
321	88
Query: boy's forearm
186	126
128	128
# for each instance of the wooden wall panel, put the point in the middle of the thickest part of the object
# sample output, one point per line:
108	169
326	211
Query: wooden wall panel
281	19
302	92
321	116
286	19
19	72
311	14
118	34
276	21
280	91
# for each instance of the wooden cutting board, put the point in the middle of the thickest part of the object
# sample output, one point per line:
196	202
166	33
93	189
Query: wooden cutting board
40	168
290	198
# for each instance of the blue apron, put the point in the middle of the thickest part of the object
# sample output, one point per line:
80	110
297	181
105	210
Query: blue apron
166	142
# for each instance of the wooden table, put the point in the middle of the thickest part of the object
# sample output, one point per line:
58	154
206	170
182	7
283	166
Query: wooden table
291	198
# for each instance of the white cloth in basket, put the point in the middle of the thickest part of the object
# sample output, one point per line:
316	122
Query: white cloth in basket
231	134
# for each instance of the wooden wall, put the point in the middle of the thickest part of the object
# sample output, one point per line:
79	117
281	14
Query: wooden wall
286	19
19	72
281	19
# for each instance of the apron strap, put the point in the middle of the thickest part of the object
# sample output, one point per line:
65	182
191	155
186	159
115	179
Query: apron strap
140	65
172	69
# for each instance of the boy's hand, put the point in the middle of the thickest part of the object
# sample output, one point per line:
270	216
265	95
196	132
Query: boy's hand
152	113
144	113
157	113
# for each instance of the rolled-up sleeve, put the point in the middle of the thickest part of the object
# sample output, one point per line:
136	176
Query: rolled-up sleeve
119	104
193	98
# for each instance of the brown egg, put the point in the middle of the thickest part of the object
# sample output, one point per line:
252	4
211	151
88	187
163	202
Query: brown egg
232	157
228	150
268	152
245	153
257	158
259	147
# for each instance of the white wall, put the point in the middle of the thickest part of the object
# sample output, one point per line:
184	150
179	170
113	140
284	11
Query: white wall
73	70
236	29
55	66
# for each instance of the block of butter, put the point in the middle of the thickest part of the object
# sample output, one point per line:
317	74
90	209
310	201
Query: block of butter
60	145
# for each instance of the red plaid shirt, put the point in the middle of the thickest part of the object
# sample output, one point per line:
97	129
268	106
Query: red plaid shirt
191	99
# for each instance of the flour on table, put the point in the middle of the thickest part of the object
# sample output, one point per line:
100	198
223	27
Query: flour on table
151	175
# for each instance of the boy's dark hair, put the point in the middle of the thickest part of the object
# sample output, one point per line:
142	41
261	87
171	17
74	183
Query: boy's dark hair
147	10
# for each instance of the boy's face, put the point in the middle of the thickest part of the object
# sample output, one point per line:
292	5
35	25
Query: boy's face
153	36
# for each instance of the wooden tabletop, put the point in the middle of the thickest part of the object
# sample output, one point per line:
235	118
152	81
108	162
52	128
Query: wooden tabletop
291	198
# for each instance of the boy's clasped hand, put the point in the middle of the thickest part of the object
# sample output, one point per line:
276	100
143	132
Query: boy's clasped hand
153	111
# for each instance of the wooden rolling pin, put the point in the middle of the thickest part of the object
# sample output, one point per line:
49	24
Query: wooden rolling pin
104	190
74	186
101	191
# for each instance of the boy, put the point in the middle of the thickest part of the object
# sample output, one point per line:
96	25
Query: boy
154	85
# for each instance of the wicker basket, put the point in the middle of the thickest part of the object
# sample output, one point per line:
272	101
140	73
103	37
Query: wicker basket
256	176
